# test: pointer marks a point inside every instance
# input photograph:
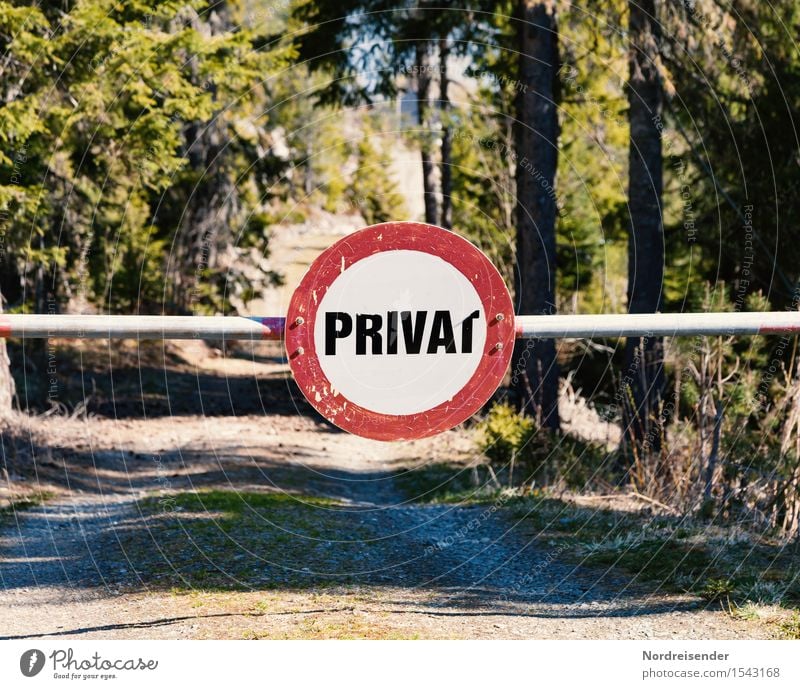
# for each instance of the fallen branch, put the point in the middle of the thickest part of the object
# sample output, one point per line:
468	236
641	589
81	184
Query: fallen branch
672	510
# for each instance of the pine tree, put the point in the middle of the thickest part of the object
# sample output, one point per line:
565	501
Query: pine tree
537	159
644	356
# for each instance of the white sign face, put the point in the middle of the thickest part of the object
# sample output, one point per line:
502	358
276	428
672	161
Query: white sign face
400	332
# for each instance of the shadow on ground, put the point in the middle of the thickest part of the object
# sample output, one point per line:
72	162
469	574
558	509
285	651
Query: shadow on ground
273	521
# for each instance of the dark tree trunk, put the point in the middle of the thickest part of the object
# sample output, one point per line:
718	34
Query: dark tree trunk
535	368
428	169
644	355
35	393
714	454
6	380
444	108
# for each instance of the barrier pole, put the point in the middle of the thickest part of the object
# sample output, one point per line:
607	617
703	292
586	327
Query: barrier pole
28	326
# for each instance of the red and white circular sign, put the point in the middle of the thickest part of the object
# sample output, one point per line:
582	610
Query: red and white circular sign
399	331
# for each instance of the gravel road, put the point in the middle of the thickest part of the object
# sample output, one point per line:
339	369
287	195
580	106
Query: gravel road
442	571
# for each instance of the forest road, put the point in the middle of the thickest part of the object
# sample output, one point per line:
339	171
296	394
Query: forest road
100	562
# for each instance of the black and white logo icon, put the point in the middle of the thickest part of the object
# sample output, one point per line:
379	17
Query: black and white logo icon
31	662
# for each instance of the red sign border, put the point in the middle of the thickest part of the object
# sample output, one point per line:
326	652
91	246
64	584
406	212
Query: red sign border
391	236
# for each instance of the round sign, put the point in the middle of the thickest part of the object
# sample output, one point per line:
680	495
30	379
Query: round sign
399	331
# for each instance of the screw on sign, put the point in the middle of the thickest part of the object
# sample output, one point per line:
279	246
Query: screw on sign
399	331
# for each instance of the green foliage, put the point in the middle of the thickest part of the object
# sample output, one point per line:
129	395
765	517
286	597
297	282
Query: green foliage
590	187
790	628
593	156
373	191
505	433
106	136
9	508
655	560
447	483
717	590
137	269
483	180
230	524
508	438
743	109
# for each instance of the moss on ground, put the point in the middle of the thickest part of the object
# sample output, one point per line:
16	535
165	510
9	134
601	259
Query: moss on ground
723	565
234	540
7	511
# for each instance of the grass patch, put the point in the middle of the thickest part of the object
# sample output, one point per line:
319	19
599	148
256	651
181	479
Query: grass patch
338	629
721	565
437	483
21	504
234	503
230	540
561	520
707	562
656	560
725	566
785	621
790	628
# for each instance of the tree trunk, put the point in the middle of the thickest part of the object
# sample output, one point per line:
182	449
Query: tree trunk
428	170
535	368
714	454
644	355
444	108
35	392
6	380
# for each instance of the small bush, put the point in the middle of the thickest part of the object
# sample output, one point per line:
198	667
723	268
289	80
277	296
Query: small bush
717	590
504	434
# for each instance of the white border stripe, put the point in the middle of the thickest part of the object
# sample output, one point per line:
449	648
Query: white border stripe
271	328
658	324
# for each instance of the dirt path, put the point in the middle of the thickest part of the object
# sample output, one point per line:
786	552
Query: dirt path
98	561
392	569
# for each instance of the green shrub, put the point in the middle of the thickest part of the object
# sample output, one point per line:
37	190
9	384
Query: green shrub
505	434
717	590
